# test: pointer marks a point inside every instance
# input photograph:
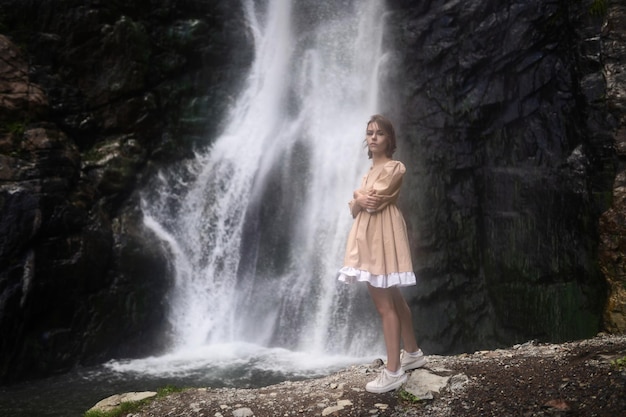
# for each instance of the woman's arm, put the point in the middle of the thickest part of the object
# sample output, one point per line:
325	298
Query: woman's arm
355	203
367	200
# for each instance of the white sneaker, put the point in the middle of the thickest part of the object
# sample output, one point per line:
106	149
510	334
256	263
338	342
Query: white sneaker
385	382
409	362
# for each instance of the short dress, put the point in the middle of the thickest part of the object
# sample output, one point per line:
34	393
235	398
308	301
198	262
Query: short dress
378	250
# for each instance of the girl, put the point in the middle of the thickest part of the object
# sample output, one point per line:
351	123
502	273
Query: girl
378	253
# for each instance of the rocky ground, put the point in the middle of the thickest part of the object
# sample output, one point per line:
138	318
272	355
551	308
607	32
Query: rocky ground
583	378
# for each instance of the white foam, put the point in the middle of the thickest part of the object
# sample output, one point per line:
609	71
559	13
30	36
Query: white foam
217	357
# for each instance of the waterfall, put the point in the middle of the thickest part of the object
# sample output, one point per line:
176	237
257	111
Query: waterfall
256	223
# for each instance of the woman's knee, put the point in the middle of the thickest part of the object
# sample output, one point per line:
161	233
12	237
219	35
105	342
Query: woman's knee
386	309
383	300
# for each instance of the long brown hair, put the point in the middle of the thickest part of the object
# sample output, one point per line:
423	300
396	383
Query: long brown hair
386	126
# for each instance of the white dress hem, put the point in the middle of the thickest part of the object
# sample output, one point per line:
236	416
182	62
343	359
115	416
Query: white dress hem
351	275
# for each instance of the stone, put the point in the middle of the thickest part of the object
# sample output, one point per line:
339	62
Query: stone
424	384
243	412
457	382
341	404
115	401
558	405
330	410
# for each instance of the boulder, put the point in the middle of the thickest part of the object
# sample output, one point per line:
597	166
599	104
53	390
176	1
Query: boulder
114	401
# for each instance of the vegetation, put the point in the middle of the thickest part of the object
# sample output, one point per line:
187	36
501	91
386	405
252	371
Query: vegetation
16	128
599	8
408	397
167	390
620	363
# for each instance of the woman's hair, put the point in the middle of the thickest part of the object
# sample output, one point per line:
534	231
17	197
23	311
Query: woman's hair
386	126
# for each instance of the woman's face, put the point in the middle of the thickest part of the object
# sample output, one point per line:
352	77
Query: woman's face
377	141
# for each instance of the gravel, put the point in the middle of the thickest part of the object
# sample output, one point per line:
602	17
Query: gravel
581	378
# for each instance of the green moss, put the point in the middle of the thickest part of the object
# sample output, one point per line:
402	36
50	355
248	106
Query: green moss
167	390
408	397
550	311
14	127
619	364
599	8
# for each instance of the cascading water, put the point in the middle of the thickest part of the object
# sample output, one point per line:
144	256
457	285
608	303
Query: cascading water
257	222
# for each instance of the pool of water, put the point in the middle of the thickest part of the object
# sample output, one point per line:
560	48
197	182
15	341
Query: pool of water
232	365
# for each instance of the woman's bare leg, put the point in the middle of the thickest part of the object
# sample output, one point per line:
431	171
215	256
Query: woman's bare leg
406	321
384	300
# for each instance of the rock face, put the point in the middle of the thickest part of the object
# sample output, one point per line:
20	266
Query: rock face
613	221
505	116
95	96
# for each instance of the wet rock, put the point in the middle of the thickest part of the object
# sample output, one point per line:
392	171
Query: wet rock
94	97
114	401
613	221
20	98
511	163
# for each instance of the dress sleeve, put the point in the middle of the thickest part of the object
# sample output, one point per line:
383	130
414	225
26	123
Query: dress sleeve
387	185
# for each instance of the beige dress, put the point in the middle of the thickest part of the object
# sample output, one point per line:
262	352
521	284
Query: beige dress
378	246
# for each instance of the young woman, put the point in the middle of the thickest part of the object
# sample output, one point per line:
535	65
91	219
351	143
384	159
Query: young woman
378	254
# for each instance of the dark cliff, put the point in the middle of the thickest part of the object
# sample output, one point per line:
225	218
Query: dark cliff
95	94
511	137
506	121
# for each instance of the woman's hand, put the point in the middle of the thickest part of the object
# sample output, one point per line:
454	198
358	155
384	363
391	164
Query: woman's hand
369	201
